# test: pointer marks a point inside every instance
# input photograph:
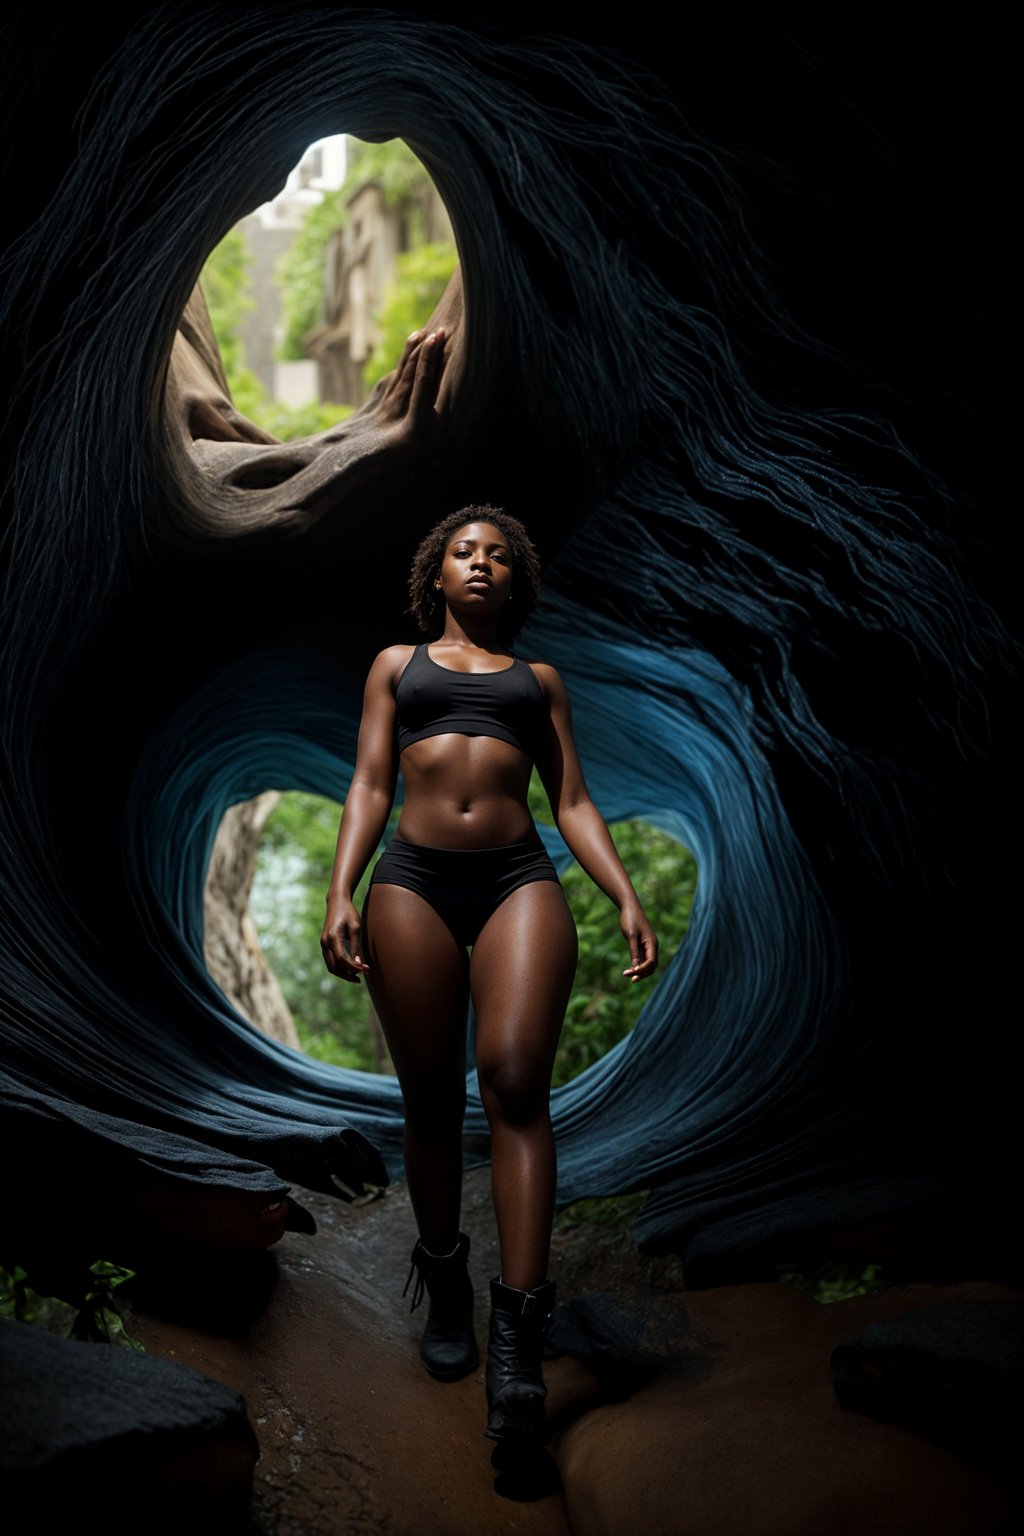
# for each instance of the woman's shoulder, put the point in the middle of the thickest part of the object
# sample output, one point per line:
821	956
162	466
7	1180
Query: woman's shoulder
548	678
390	663
395	653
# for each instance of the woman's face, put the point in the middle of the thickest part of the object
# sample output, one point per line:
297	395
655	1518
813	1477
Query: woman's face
476	572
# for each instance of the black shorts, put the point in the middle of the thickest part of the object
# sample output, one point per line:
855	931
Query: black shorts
465	886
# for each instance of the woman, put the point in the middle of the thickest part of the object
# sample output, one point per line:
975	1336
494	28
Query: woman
467	869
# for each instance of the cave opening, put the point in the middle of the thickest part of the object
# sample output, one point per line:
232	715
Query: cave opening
336	1023
312	294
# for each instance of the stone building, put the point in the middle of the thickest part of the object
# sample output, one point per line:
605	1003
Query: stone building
359	263
269	231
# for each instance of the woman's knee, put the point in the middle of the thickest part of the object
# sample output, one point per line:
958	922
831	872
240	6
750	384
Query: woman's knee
515	1090
436	1115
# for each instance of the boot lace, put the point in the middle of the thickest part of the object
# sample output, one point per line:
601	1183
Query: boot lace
418	1288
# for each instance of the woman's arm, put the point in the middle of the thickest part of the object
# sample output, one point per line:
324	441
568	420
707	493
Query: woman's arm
370	797
582	826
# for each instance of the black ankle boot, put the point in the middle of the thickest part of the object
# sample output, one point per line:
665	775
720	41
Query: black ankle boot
515	1384
449	1348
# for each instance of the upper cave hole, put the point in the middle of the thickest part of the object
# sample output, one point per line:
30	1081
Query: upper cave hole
313	294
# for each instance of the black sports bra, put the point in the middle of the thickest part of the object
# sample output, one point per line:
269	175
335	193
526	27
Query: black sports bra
431	700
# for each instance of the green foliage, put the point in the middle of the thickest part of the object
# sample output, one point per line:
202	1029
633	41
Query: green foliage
99	1319
838	1281
604	1007
293	870
420	279
226	287
614	1212
285	422
333	1018
300	271
92	1312
393	166
225	282
18	1301
537	800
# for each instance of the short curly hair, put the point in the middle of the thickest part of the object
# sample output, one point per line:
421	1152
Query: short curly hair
427	606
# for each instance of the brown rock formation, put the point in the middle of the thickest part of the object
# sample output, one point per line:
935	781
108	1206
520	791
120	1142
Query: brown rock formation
232	948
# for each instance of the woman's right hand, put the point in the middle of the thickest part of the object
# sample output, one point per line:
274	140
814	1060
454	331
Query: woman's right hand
342	940
408	408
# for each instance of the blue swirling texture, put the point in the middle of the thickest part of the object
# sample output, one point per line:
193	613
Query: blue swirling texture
736	541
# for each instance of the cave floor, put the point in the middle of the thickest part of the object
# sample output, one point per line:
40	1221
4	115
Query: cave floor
737	1429
354	1435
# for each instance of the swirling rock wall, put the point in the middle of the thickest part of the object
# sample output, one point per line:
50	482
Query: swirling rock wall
723	340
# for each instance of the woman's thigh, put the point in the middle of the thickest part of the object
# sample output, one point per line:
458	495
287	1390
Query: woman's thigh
521	974
418	981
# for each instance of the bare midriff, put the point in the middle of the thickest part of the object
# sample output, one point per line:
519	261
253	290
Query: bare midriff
465	792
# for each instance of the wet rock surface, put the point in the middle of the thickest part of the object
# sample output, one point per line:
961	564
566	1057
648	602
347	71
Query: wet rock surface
703	1412
728	1421
355	1436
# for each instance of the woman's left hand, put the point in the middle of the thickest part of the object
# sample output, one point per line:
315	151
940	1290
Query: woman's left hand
643	946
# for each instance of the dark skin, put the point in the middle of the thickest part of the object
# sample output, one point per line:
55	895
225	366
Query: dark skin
471	792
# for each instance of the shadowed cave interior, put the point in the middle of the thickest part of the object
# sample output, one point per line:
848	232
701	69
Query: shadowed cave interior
722	338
